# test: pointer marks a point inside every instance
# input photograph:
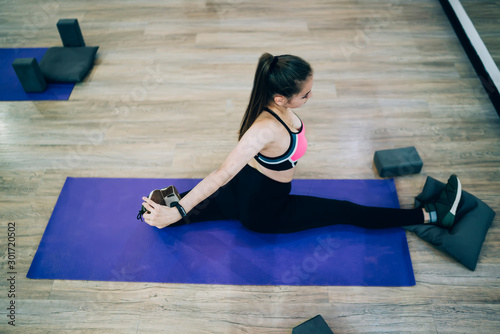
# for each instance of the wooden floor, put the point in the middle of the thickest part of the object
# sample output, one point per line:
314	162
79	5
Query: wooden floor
165	99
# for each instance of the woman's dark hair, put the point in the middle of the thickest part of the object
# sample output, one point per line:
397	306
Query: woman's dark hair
275	75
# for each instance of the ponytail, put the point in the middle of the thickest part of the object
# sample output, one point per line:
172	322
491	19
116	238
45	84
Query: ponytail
275	75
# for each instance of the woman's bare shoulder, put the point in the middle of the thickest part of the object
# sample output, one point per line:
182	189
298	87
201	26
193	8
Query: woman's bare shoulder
266	120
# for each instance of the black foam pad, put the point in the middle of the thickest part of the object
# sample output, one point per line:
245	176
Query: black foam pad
67	64
465	240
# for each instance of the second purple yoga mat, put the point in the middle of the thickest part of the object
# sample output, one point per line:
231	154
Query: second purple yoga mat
10	87
93	234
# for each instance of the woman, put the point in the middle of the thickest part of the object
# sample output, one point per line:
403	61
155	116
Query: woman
253	183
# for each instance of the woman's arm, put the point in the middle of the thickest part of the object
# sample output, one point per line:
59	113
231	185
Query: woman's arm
252	142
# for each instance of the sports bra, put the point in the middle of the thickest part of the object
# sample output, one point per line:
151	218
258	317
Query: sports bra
297	148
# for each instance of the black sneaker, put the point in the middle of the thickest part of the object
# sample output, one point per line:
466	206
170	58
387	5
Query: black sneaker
444	209
167	196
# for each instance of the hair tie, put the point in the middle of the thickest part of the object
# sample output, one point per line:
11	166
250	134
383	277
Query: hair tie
275	61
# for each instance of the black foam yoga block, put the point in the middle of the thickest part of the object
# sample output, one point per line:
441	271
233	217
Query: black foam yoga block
30	75
398	161
316	325
70	32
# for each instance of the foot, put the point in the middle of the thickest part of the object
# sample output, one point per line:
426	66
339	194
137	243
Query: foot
443	210
166	196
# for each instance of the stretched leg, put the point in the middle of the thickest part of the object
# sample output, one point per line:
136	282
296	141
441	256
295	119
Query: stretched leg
345	212
303	212
219	206
297	213
267	206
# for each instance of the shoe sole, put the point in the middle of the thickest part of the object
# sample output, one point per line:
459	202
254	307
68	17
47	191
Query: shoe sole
449	219
454	207
156	196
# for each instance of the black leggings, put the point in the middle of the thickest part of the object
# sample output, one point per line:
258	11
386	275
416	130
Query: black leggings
266	206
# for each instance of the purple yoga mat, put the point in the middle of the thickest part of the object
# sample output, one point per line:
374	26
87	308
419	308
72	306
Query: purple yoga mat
93	234
10	87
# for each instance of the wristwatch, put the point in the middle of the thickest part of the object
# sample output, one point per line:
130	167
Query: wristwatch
181	210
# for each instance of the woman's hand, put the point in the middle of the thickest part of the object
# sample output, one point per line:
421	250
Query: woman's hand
160	216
